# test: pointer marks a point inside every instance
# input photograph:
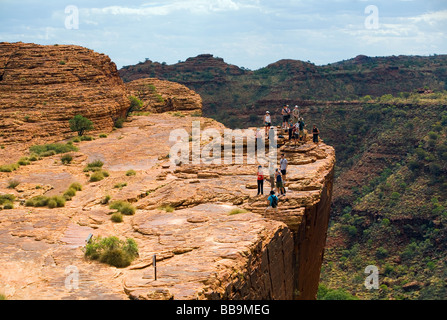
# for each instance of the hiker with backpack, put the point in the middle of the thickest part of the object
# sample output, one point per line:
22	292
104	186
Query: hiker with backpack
272	202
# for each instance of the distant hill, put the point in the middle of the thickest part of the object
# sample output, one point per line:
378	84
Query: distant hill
387	120
229	92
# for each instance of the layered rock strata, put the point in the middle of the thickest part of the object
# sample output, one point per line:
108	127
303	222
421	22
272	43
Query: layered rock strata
160	96
42	87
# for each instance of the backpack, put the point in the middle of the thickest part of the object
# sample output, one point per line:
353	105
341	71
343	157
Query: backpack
274	201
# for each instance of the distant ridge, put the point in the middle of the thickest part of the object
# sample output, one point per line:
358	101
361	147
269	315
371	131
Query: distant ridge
229	91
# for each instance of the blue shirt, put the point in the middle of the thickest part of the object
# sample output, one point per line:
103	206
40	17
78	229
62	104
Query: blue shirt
271	199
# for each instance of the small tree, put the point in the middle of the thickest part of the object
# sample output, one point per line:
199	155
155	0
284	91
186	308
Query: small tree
135	104
80	124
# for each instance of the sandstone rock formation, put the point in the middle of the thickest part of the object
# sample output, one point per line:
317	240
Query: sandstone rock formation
160	96
42	87
203	249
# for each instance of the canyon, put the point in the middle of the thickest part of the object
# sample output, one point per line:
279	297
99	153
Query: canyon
205	224
386	117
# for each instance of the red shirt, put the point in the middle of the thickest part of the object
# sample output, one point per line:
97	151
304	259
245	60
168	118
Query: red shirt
260	176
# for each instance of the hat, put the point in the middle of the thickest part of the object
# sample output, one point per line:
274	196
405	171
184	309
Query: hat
296	106
267	112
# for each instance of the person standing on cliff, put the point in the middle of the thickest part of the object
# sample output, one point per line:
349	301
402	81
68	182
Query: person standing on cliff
260	178
267	123
285	112
283	166
315	133
301	129
296	114
279	183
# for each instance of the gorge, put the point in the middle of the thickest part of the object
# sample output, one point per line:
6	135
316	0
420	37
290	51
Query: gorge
207	228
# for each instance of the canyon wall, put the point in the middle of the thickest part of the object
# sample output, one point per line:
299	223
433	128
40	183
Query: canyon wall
42	87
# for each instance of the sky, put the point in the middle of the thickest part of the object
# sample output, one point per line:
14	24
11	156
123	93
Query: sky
247	33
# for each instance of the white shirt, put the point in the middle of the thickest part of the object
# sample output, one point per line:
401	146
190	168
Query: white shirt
283	164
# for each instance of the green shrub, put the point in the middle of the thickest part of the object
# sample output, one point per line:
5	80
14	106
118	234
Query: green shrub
52	149
395	196
24	161
9	167
120	185
60	201
437	127
66	159
13	183
414	165
52	204
70	193
381	253
433	135
119	122
48	153
123	206
34	157
87	138
95	165
421	154
98	176
38	201
76	186
131	173
112	251
435	168
8	205
334	294
43	201
5	198
177	114
135	104
103	135
431	265
117	217
106	199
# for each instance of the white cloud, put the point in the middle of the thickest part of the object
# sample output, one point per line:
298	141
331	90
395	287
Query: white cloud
163	9
431	18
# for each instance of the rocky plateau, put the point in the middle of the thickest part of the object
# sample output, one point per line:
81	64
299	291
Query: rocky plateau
204	248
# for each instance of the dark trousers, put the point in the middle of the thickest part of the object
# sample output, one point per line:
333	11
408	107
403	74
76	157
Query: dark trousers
260	186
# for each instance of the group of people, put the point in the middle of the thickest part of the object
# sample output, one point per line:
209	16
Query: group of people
291	123
277	182
294	124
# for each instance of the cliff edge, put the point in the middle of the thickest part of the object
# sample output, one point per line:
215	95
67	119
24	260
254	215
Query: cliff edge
205	223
